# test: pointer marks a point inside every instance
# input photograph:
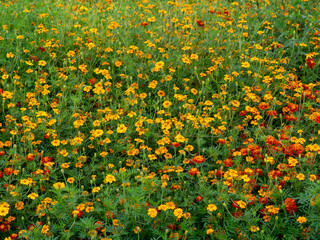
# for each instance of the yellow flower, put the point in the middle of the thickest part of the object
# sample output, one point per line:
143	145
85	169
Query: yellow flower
211	207
300	177
180	138
210	230
118	63
166	104
312	177
122	128
4	209
163	207
254	228
10	55
152	212
42	63
152	19
109	179
96	189
59	185
97	133
241	204
33	195
71	53
45	229
301	220
55	143
245	64
159	64
170	205
64	165
178	212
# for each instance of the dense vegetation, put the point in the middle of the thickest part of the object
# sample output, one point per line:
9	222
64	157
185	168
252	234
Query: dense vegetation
159	119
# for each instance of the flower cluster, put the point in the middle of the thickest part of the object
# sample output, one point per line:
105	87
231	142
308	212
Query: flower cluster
159	119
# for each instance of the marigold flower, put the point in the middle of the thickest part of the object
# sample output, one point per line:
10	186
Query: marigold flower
4	209
180	139
166	104
163	207
96	189
42	63
121	128
77	213
109	179
193	171
301	220
211	207
198	159
178	212
33	196
59	185
290	205
55	143
300	177
210	230
245	64
254	228
152	212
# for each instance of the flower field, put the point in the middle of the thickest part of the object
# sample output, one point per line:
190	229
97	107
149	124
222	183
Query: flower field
159	119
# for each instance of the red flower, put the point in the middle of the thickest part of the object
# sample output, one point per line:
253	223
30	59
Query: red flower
228	162
235	205
14	235
200	23
46	160
219	172
1	174
171	226
243	113
263	200
30	157
193	171
199	198
175	144
290	205
92	81
42	49
144	24
238	213
198	159
8	171
272	113
311	63
263	105
46	136
221	141
77	213
3	228
34	58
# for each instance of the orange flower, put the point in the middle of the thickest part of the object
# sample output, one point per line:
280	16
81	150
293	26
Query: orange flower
198	159
193	171
290	205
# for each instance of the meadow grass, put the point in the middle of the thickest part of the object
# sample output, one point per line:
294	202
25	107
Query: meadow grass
159	119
